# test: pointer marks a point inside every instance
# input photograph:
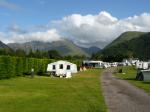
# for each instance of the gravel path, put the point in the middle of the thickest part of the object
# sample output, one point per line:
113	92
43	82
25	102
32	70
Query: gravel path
120	96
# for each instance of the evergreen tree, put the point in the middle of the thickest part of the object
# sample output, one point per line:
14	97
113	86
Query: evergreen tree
20	53
53	54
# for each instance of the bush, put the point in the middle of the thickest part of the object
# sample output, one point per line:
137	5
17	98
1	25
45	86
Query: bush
27	74
40	73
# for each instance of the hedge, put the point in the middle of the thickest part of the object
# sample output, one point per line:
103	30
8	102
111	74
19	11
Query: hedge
17	66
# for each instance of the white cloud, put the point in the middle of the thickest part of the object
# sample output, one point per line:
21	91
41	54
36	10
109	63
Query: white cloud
16	29
87	30
90	30
9	5
4	37
47	36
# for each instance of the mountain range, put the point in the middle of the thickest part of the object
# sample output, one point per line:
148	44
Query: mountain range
132	43
64	47
2	45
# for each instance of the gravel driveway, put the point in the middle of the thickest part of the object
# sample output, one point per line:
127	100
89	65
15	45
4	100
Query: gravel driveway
120	96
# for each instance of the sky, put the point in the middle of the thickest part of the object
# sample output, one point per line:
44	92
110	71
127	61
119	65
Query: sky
85	22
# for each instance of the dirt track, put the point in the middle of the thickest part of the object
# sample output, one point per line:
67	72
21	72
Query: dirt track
120	96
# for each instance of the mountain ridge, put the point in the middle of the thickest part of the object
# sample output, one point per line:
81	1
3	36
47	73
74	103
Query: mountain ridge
126	36
2	45
64	47
138	45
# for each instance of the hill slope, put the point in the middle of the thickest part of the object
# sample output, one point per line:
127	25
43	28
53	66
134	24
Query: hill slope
127	36
2	45
64	47
136	44
91	50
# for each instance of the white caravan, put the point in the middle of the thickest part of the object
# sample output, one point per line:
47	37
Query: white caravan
62	68
143	65
93	64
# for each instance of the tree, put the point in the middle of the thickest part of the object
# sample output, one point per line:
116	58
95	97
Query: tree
53	54
38	54
96	56
20	53
6	51
69	57
31	54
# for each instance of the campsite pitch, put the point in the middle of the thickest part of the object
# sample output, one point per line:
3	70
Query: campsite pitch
82	93
130	75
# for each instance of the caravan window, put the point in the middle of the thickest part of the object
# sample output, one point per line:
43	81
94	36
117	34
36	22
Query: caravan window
68	67
61	66
54	67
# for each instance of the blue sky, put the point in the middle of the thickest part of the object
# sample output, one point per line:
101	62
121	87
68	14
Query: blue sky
24	14
42	11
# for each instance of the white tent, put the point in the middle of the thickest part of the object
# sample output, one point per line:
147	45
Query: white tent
61	68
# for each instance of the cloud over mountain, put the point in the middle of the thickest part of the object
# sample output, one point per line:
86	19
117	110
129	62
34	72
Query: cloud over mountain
103	28
47	36
84	30
44	36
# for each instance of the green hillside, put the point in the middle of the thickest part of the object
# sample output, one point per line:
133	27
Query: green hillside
68	48
127	36
132	44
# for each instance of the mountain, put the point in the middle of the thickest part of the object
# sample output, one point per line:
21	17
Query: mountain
91	50
2	45
64	47
136	44
127	36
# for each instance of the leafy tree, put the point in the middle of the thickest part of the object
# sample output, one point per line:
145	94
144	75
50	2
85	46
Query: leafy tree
96	56
69	57
20	53
53	54
31	54
6	51
38	54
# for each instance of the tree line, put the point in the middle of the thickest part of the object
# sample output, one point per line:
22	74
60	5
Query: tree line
111	58
51	54
54	54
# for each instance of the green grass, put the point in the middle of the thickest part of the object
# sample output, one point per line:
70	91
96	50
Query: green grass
82	93
130	75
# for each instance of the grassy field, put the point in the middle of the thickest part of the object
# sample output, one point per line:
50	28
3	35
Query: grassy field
130	75
82	93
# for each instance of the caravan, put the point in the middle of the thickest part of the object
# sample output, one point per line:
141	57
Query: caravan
62	68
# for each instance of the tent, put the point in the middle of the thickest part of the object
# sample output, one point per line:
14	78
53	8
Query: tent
143	75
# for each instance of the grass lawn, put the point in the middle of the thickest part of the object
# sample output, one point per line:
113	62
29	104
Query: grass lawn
82	93
130	75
